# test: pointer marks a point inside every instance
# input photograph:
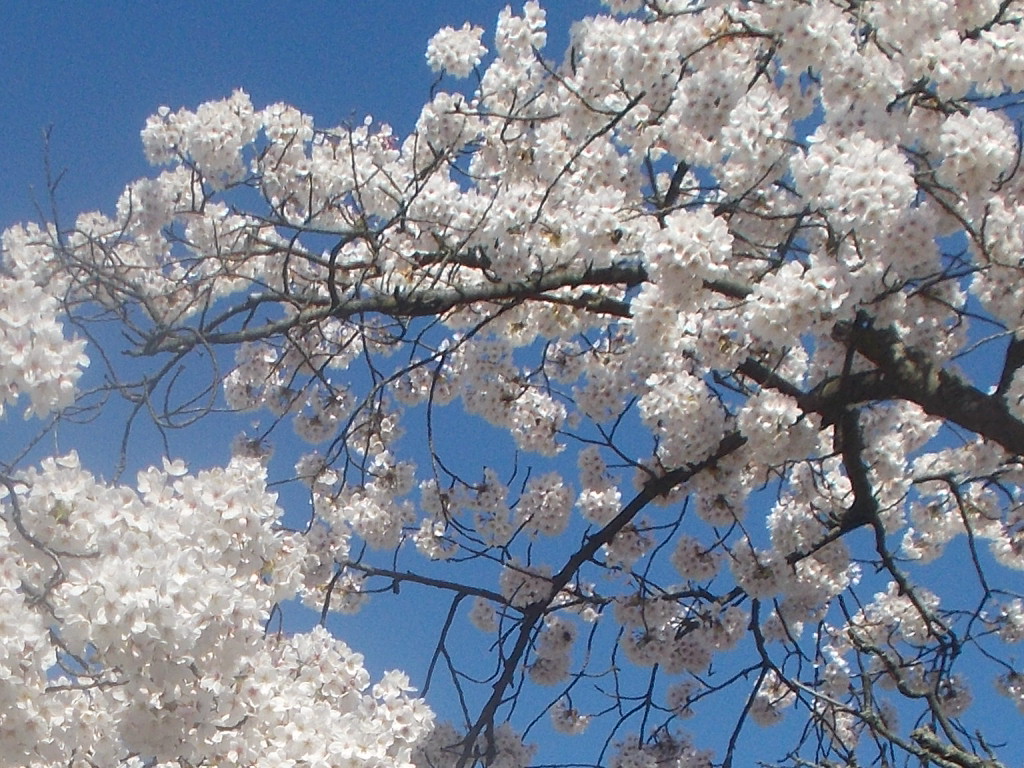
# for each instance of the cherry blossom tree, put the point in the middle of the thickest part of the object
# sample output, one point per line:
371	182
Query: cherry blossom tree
683	370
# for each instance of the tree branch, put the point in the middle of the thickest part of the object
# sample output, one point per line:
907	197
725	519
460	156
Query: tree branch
534	612
416	303
914	377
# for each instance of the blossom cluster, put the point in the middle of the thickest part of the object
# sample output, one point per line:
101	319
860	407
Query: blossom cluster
456	51
553	649
38	361
139	618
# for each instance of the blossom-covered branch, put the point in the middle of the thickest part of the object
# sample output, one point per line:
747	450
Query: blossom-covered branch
669	363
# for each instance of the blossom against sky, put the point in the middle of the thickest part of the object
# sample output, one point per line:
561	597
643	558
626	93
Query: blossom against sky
92	169
90	75
93	73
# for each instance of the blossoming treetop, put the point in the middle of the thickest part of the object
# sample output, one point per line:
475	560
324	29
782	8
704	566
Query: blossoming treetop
711	269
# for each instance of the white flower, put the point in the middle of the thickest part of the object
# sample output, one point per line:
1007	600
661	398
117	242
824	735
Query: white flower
545	505
860	182
35	358
567	719
693	561
456	51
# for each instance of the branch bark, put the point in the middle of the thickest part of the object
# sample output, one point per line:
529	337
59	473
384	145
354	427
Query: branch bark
416	303
915	377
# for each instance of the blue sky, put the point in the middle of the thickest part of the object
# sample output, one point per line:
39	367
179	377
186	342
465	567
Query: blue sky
91	73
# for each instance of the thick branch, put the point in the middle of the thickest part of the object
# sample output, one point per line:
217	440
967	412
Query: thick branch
949	754
830	397
914	377
416	303
1011	364
850	443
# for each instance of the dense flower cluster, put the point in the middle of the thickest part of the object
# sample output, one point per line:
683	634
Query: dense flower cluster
37	360
553	649
138	616
545	505
566	719
456	51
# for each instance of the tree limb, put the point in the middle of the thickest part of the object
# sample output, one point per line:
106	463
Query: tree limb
914	377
